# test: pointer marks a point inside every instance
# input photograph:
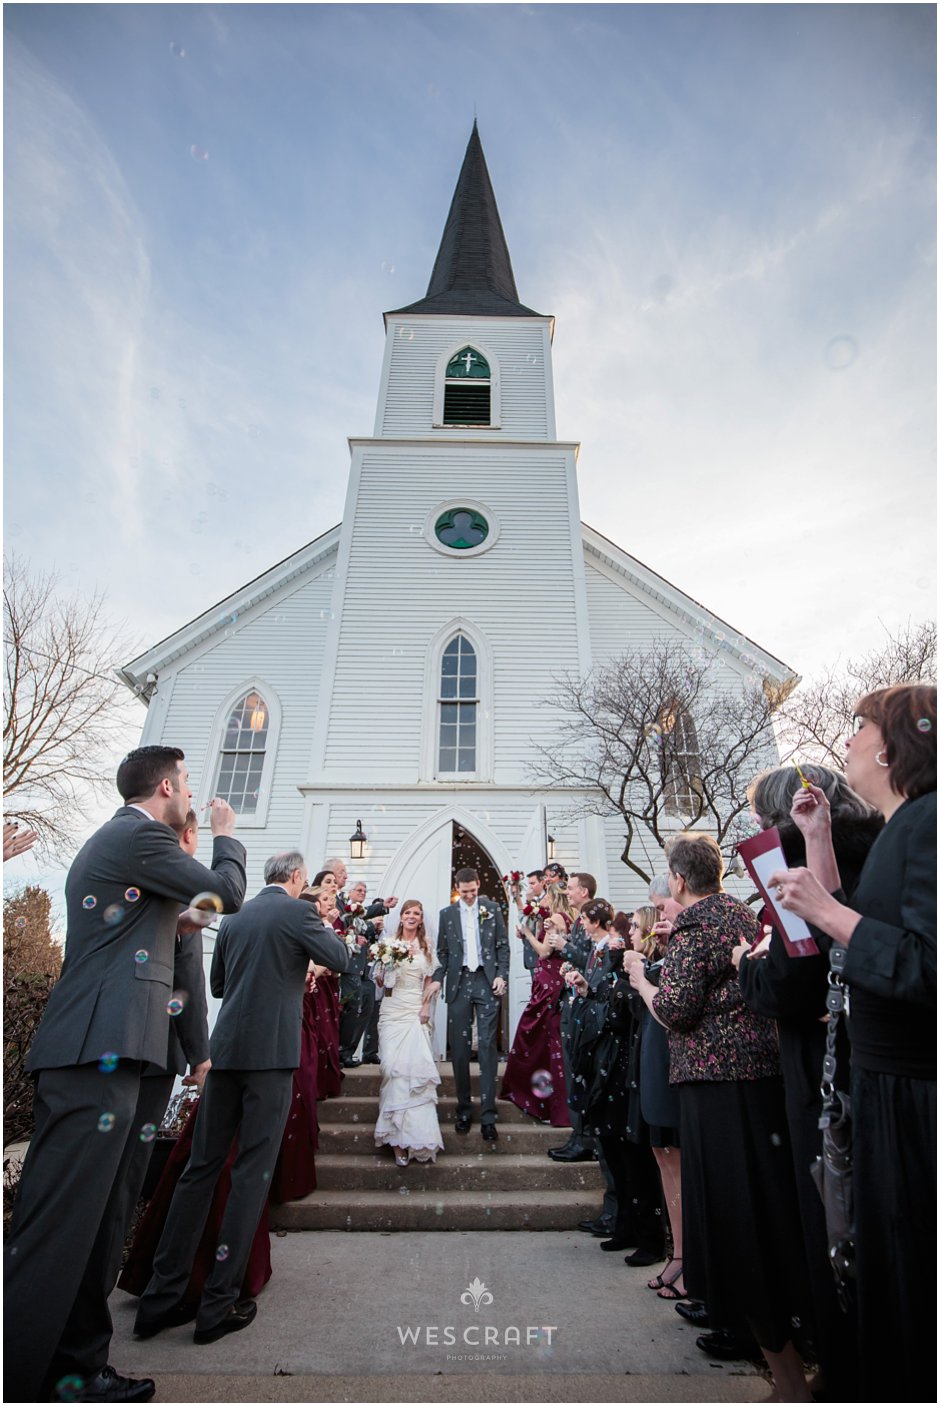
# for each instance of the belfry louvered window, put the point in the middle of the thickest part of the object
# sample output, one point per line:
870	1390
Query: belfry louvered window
458	702
467	386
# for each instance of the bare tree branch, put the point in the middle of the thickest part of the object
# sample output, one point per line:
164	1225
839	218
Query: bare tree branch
655	738
816	721
64	707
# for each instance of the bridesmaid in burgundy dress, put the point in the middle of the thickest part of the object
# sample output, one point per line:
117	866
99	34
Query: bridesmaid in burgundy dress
535	1072
326	995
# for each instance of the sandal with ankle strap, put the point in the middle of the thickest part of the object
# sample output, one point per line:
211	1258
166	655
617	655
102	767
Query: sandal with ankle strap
669	1290
658	1282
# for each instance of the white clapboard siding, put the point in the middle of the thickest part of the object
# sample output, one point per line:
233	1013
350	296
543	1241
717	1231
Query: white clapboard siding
520	595
520	352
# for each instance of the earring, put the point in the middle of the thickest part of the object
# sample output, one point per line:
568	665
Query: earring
878	756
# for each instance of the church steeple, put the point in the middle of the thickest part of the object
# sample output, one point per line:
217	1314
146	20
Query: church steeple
472	273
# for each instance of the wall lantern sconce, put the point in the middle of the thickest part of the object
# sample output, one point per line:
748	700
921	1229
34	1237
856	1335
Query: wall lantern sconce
550	847
357	842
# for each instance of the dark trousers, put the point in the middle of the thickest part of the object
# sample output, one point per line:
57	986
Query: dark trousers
252	1104
370	1049
83	1347
474	997
69	1209
576	1117
639	1198
356	1015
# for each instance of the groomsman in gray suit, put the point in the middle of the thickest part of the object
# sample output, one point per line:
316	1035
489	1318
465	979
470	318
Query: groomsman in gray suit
107	1018
259	970
473	963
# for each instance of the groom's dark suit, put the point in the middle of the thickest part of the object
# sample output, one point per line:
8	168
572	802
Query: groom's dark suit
123	896
467	991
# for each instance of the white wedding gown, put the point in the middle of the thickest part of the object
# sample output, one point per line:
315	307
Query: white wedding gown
408	1097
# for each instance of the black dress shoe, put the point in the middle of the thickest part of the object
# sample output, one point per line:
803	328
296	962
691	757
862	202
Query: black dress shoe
565	1147
694	1312
604	1229
489	1132
642	1258
617	1242
106	1385
462	1123
725	1345
145	1327
587	1226
372	1059
600	1225
350	1063
571	1154
238	1317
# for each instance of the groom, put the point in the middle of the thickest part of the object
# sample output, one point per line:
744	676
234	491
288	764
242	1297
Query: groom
473	956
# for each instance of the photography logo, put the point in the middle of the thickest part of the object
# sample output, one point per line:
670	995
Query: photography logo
477	1341
476	1293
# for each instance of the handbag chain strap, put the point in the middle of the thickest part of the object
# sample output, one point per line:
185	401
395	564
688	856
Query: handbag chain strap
837	1004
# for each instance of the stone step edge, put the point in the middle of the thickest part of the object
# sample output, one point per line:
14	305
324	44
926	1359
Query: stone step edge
556	1196
337	1161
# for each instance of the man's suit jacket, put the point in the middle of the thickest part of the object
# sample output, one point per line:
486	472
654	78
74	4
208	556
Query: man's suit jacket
123	895
258	969
188	1035
494	946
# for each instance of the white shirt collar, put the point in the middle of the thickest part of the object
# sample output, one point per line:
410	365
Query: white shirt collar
132	805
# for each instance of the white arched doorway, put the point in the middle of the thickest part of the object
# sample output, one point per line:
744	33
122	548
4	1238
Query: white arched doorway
422	869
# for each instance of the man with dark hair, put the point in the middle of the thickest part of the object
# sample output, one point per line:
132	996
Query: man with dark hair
530	923
473	962
106	1019
259	969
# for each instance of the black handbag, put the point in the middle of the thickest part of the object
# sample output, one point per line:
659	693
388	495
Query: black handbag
832	1172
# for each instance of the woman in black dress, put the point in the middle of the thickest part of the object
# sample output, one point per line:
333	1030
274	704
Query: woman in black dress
889	931
742	1251
605	1055
792	991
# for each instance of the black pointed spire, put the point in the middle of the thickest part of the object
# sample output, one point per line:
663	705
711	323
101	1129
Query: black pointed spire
472	273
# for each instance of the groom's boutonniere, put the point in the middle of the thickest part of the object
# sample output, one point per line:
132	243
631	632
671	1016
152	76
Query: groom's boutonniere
484	914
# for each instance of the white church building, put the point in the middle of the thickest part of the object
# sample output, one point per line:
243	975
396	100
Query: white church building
461	507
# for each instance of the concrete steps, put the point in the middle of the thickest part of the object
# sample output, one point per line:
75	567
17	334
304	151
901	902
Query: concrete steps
507	1185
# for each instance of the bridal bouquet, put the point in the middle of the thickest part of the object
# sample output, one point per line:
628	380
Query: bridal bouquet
388	954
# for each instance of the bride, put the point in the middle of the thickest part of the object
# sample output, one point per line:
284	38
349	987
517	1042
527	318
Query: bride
407	1119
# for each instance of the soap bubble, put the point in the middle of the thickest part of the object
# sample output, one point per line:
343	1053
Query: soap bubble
132	895
254	431
21	923
776	1140
148	1132
113	914
221	1253
326	615
69	1388
439	1208
207	902
195	569
403	1191
108	1062
141	956
177	50
542	1085
197	153
924	725
840	352
106	1122
90	901
175	1004
406	334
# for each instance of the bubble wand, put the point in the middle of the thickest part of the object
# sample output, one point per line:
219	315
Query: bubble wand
803	781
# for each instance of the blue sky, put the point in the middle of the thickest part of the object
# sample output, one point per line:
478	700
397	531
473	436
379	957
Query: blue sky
729	210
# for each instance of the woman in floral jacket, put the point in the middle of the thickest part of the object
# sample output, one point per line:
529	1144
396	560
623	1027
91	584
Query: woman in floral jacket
741	1243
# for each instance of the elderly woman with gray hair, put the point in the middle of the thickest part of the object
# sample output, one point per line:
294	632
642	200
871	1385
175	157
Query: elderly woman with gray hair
792	991
738	1198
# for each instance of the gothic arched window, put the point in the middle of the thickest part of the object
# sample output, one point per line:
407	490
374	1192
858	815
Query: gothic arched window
244	742
683	764
467	384
458	702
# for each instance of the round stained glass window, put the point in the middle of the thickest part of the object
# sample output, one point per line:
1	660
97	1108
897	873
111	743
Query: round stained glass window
461	529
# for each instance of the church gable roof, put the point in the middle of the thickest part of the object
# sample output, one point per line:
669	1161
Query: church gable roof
472	274
308	560
600	550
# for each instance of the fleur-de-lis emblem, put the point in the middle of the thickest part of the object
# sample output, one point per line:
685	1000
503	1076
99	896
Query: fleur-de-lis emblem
476	1293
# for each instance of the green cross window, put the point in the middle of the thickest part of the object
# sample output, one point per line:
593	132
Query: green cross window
467	389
